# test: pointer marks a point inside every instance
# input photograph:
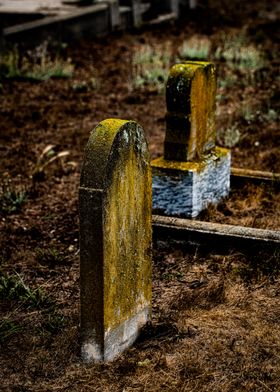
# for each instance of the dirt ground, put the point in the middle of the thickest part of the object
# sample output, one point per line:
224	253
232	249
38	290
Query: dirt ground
216	317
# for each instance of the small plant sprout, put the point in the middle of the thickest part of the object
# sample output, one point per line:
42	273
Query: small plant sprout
271	115
9	64
8	329
54	323
50	256
195	49
239	54
47	157
228	81
37	65
248	114
11	197
13	288
150	67
229	137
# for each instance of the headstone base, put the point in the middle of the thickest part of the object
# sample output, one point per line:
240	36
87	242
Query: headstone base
187	188
116	340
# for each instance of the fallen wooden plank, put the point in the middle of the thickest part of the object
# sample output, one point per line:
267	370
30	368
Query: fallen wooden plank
220	236
253	176
162	19
215	235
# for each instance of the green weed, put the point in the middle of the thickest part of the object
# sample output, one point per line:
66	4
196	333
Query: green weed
228	81
50	256
248	113
8	329
271	115
11	197
150	67
54	323
37	65
239	54
153	77
13	288
195	49
229	136
9	64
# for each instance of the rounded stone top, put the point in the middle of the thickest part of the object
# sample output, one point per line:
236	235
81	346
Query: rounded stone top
183	79
104	147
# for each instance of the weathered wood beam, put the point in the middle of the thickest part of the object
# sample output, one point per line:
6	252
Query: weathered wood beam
215	235
238	176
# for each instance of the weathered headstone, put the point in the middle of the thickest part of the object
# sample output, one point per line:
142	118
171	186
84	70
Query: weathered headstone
194	172
115	239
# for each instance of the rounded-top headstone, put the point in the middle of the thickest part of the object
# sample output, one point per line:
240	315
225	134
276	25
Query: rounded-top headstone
190	118
115	239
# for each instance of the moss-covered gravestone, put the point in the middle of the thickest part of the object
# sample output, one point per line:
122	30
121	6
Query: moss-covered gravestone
115	239
194	172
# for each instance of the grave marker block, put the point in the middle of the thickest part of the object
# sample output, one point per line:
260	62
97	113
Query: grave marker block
115	239
190	118
193	172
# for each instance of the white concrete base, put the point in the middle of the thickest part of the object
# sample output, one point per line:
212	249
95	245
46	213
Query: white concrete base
115	340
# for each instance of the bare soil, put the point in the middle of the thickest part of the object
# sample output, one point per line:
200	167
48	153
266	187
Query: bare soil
216	317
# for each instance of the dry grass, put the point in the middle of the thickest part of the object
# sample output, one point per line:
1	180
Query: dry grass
214	328
216	317
251	206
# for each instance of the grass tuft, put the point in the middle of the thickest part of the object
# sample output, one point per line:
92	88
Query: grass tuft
229	136
11	197
150	67
8	329
54	323
195	49
36	65
50	256
47	157
13	288
239	54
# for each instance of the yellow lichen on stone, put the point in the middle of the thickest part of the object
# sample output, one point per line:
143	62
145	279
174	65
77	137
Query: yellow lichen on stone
97	152
190	166
115	203
161	163
190	97
127	246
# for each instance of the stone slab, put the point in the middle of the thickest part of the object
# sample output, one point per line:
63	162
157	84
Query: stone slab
115	239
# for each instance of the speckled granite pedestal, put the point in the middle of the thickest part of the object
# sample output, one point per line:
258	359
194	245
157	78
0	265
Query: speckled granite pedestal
186	188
